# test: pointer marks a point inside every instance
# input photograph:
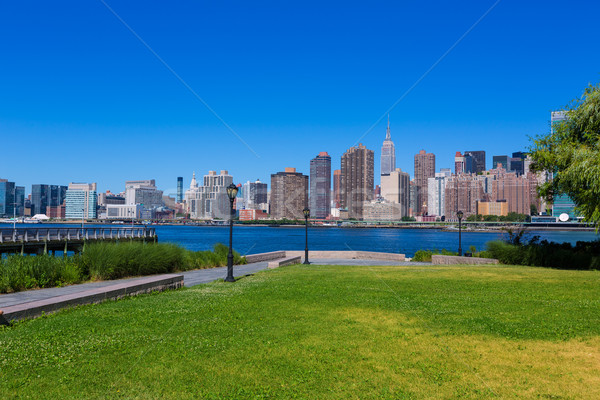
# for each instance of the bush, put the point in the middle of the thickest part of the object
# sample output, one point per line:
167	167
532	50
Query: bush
425	255
19	272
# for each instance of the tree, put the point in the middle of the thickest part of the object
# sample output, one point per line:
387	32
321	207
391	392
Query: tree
571	153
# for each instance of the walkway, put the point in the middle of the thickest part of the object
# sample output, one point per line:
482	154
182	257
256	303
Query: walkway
191	278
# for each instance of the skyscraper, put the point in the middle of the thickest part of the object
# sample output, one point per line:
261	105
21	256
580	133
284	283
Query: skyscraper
459	163
337	193
500	160
436	192
395	188
180	189
320	185
478	160
81	200
7	198
209	200
289	194
388	153
357	179
424	169
43	196
255	195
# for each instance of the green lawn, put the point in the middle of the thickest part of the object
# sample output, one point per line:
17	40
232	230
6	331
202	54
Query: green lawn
324	333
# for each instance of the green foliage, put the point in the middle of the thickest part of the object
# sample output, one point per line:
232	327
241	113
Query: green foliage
408	219
19	272
425	255
571	152
106	261
582	256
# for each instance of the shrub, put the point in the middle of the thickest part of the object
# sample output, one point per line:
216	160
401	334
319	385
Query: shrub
425	255
19	272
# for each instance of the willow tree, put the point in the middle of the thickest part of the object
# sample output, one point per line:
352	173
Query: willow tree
571	153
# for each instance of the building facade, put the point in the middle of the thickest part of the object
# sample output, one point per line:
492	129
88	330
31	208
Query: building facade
43	196
395	188
357	179
381	210
320	185
7	198
210	200
337	191
424	169
289	194
254	195
81	201
143	192
478	157
461	194
179	189
388	153
436	192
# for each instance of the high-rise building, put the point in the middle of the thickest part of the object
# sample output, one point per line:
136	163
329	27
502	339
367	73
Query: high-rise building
320	185
210	200
357	179
395	188
502	160
517	162
459	163
478	157
20	200
180	189
412	201
513	189
289	194
388	153
81	200
424	169
255	195
43	196
143	192
7	198
436	192
337	191
461	194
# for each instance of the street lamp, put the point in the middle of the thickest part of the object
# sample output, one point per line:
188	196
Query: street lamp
306	212
459	214
231	193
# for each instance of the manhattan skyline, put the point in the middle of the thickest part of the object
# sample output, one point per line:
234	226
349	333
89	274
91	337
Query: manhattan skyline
85	100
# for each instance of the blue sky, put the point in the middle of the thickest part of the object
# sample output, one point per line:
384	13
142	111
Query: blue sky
83	99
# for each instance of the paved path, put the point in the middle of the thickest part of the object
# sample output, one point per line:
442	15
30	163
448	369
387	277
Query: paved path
191	278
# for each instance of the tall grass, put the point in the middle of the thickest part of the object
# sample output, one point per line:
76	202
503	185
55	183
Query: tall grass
103	261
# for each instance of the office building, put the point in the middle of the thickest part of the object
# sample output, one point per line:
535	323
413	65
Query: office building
80	201
388	153
436	192
412	201
320	185
395	188
143	192
478	157
43	196
381	210
461	194
502	160
20	200
7	198
254	195
424	169
210	200
337	192
180	189
289	194
513	189
459	164
357	179
517	162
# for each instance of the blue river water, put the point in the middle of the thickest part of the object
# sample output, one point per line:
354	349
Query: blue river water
260	239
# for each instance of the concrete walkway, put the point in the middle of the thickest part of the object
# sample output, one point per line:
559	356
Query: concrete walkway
191	278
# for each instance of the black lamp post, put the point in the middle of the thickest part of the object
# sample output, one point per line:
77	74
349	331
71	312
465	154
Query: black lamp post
460	216
231	193
306	212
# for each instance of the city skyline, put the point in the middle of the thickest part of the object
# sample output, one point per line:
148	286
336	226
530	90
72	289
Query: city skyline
81	90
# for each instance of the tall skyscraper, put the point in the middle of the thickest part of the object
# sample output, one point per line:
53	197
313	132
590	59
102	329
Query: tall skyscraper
500	160
209	200
180	189
436	192
337	191
517	162
320	185
478	160
388	153
357	179
424	169
395	188
255	195
43	196
81	200
289	194
7	198
459	163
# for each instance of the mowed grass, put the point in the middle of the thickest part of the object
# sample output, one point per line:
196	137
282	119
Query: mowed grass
324	332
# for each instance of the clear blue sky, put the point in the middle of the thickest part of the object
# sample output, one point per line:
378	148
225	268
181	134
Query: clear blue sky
82	99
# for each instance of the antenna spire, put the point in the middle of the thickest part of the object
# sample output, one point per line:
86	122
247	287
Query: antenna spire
387	134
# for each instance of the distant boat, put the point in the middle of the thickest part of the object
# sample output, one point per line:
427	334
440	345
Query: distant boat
31	221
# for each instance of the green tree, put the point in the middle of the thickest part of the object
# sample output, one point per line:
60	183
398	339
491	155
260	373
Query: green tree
571	152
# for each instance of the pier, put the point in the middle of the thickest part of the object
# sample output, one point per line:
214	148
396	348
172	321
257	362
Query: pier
50	240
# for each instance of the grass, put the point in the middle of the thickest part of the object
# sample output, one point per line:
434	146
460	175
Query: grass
324	332
103	261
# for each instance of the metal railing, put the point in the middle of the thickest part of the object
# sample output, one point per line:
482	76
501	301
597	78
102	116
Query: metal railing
26	235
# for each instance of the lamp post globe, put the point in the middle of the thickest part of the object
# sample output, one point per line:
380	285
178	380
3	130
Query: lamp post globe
306	212
459	214
231	193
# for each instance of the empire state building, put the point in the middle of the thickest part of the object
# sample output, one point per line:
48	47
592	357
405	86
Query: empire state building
388	153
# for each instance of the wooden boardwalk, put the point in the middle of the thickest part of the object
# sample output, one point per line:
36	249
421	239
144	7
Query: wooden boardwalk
45	240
